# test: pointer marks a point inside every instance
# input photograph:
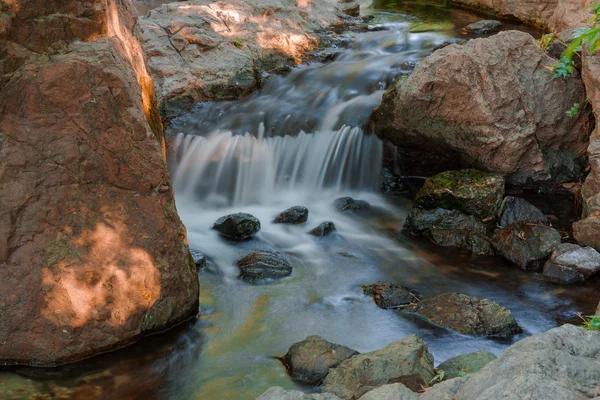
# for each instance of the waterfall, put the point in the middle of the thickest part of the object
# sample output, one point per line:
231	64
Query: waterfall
223	169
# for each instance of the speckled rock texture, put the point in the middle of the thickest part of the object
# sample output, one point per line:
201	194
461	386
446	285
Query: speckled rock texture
93	255
468	315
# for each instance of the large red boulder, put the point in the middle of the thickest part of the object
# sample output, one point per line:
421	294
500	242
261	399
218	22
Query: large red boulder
494	105
93	255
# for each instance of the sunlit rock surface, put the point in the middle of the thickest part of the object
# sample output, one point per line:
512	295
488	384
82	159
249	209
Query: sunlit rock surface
92	252
203	50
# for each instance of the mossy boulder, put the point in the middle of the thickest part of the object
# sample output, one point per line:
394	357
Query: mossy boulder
293	215
470	191
466	364
240	226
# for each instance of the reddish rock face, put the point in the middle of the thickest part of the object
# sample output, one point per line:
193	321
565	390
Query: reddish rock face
494	103
555	15
92	252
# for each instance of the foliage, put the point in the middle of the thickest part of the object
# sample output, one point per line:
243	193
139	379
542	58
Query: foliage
573	111
589	36
592	323
439	376
238	43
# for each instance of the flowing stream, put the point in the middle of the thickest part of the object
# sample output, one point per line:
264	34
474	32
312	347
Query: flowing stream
301	140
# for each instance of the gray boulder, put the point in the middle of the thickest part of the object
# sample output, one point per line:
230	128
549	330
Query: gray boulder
407	361
240	226
445	390
309	361
484	27
293	215
571	263
394	391
469	191
348	204
449	228
468	315
324	229
561	363
526	245
264	266
515	210
466	364
279	393
389	295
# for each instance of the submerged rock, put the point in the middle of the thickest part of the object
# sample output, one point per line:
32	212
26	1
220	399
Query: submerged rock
512	122
407	361
390	183
468	315
571	263
324	229
394	391
561	363
470	191
516	210
449	228
240	226
293	215
279	393
264	266
526	245
485	27
466	364
348	204
309	361
389	295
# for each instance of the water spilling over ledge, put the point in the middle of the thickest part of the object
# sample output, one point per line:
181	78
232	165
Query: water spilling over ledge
226	169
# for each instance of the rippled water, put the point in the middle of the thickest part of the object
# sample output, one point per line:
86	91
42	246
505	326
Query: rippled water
300	141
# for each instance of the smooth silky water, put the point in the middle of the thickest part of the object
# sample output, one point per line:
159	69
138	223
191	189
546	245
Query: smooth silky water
301	141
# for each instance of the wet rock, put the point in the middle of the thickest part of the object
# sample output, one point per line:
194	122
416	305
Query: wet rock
516	210
279	393
348	204
191	59
449	228
526	245
513	122
93	255
470	191
309	361
407	361
468	315
395	391
571	263
484	27
466	364
324	229
390	183
240	226
587	231
199	258
561	363
389	295
293	215
264	266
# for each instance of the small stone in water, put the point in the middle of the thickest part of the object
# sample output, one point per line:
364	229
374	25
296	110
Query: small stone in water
324	229
264	266
240	226
484	27
349	204
293	215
